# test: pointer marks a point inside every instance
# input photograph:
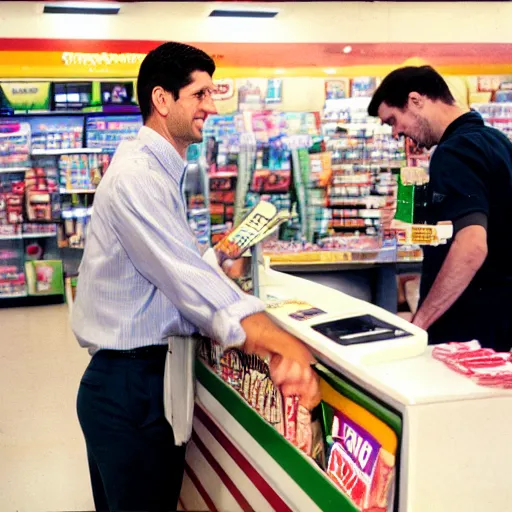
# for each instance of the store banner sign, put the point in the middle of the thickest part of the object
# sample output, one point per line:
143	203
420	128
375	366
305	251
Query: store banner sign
25	95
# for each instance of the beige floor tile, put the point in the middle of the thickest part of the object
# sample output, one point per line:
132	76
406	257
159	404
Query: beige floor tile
43	465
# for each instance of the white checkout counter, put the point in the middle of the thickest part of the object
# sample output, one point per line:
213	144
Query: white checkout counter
449	436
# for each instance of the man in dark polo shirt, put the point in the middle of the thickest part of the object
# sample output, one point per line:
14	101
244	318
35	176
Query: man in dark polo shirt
466	289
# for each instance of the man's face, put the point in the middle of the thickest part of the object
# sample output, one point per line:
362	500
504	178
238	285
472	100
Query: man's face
188	114
410	122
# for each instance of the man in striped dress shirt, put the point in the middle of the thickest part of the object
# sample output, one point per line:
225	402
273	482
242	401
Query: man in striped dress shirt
142	279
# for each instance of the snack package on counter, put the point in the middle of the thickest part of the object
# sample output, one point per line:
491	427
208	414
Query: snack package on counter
359	465
484	366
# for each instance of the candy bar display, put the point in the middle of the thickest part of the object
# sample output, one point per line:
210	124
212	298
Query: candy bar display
249	376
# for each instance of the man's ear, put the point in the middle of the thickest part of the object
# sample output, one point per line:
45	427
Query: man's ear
416	100
161	100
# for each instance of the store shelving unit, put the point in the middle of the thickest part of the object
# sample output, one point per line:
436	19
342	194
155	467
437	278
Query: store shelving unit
364	162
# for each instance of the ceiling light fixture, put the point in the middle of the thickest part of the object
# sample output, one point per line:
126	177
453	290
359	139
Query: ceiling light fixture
243	13
82	8
347	49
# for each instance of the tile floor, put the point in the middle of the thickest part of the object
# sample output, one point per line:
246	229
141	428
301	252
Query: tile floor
43	465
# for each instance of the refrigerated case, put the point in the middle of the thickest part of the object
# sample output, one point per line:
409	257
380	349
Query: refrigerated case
402	431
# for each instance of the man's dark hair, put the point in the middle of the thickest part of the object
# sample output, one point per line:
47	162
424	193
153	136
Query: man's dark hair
396	87
169	66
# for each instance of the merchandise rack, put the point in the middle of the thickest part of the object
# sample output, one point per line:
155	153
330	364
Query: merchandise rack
51	138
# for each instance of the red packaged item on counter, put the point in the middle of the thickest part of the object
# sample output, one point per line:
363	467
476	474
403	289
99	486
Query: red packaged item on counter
483	365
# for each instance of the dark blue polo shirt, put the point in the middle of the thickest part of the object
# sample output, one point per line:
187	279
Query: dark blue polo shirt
471	183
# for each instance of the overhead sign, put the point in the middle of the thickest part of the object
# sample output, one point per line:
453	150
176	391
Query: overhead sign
25	95
101	59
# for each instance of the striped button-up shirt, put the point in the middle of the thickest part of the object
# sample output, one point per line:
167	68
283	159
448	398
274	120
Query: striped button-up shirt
142	277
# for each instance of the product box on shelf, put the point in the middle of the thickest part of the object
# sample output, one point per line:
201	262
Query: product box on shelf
45	277
42	200
14	145
108	131
12	276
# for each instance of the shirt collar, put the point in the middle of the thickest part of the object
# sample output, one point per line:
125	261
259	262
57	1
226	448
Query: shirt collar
164	152
470	118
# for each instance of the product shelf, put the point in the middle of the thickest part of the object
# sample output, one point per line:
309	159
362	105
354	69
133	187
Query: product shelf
10	170
67	151
78	191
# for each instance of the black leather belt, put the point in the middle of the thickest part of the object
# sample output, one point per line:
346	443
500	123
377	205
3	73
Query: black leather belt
149	352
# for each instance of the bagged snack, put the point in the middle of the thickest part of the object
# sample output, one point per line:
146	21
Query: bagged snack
359	465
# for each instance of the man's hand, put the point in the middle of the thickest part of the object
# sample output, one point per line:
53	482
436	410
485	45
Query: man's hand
290	359
235	269
295	379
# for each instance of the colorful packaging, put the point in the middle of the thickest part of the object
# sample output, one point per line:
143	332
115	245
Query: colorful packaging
482	365
359	466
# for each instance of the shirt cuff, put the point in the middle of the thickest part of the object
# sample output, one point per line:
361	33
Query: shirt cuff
227	329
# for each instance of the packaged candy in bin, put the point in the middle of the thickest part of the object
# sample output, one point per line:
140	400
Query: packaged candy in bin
304	439
291	405
359	465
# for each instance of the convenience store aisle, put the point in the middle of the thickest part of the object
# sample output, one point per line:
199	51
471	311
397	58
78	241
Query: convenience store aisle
43	464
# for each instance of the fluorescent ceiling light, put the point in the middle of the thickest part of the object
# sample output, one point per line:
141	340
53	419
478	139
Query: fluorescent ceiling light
81	8
347	49
243	13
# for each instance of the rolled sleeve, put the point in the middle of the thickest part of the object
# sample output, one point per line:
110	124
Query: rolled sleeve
226	322
153	230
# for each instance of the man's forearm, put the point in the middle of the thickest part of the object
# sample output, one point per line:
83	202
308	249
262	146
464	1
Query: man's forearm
465	257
